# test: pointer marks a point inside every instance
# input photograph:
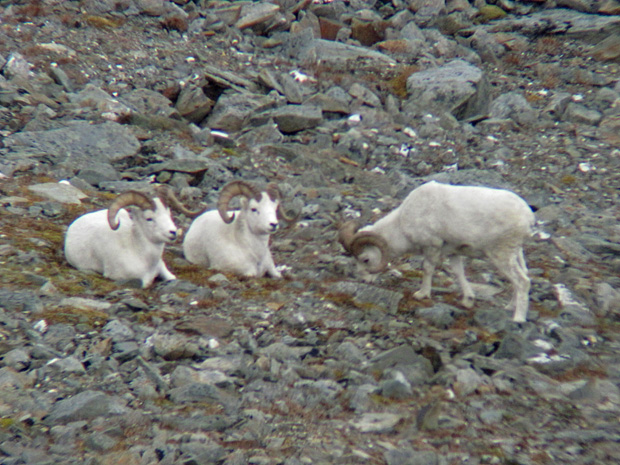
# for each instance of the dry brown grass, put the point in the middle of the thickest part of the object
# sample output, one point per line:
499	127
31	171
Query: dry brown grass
548	45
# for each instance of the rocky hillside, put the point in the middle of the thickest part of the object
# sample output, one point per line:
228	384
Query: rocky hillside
347	105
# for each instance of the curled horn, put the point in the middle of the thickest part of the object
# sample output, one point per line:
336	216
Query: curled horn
275	194
346	232
125	200
354	242
166	195
233	189
364	239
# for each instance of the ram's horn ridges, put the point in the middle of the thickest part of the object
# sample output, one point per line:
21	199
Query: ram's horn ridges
364	239
346	233
167	196
231	190
273	191
125	200
285	215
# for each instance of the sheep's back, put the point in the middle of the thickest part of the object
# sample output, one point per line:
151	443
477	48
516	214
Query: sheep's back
466	215
84	240
205	238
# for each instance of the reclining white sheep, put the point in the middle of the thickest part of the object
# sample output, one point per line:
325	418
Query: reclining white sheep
237	243
438	219
127	240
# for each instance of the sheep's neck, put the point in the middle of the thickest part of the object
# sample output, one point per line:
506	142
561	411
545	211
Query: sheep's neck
389	228
143	245
243	234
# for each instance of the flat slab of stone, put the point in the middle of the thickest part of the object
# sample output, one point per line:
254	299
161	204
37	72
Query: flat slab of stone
60	192
85	405
337	52
376	422
365	294
79	143
294	118
567	22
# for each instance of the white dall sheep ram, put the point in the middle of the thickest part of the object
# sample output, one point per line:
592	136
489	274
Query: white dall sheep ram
127	240
237	242
438	219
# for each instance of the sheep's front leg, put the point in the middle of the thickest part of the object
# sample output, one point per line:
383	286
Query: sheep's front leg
431	257
164	273
270	267
458	268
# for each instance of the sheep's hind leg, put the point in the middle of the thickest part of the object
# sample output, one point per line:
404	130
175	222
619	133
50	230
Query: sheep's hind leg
431	257
458	268
511	263
522	297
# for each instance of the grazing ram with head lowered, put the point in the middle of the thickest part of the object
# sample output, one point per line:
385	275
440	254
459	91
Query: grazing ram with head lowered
438	219
127	240
237	242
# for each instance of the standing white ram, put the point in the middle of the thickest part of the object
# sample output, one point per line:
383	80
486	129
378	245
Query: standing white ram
127	240
439	220
237	243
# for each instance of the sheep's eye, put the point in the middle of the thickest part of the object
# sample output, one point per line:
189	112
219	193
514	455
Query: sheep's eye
366	261
149	219
254	210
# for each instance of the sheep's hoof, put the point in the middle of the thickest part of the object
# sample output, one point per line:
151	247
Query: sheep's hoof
467	302
281	270
421	295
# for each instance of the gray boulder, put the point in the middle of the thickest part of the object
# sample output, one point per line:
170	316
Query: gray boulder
457	87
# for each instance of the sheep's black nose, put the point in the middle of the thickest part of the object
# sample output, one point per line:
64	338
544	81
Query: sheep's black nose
173	234
274	226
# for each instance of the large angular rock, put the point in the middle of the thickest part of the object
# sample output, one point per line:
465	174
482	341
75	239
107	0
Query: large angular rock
570	23
60	192
608	49
80	143
409	456
513	105
148	101
295	118
376	422
365	295
457	87
20	301
256	13
193	104
326	51
85	405
232	111
94	97
195	392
